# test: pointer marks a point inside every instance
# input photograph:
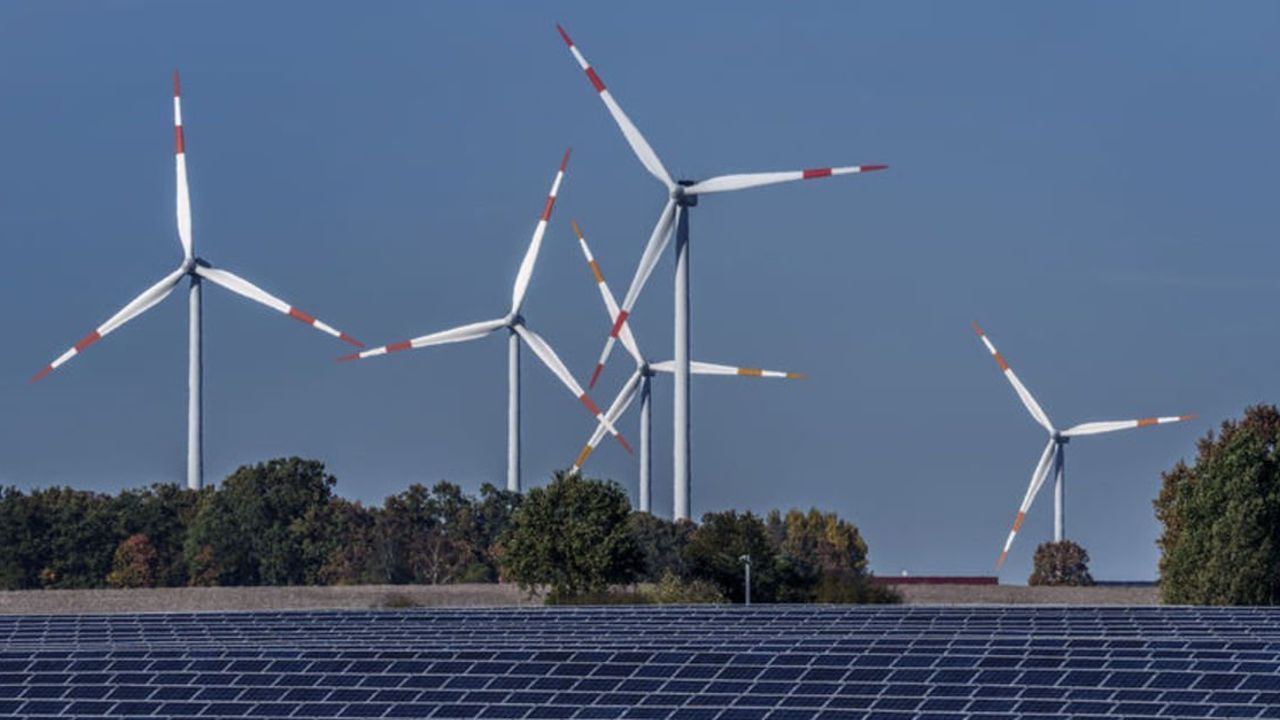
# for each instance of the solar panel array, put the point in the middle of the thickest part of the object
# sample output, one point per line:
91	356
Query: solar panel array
692	663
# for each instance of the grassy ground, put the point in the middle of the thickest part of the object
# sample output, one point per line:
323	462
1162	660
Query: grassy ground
52	602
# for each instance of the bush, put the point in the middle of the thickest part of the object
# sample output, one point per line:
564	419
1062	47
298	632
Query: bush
849	589
1061	563
1221	517
671	589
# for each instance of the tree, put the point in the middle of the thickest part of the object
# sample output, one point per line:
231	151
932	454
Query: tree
717	544
1221	517
135	563
1060	563
661	543
251	531
571	537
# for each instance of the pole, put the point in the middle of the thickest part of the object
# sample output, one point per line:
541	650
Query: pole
195	378
646	457
680	445
513	411
1059	526
746	559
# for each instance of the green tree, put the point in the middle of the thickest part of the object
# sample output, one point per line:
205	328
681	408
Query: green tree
662	543
571	537
491	519
162	513
135	564
251	531
714	553
1221	517
1060	563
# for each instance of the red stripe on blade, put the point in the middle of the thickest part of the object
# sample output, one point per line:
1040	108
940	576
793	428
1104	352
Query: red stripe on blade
873	168
178	140
1147	421
349	340
590	404
176	91
595	375
625	445
397	347
546	209
817	173
595	79
40	375
565	162
617	324
297	314
564	35
88	340
349	358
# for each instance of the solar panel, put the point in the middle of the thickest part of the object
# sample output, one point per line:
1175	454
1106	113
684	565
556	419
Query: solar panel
699	663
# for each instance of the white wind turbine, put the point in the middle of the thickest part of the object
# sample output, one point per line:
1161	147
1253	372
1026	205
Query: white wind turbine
682	195
1053	459
515	324
197	269
639	383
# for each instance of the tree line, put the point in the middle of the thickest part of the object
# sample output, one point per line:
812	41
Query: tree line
280	523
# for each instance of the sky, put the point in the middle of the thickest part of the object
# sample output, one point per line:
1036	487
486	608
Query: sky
1094	183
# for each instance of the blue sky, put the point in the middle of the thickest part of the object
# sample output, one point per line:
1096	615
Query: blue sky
1094	183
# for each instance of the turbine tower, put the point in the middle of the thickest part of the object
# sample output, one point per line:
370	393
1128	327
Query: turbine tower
1053	459
514	323
198	270
681	196
640	380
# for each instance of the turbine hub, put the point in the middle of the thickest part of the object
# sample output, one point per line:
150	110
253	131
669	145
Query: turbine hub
682	199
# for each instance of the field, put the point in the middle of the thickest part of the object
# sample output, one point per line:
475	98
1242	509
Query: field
41	602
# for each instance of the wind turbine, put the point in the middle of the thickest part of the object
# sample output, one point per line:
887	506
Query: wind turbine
681	195
514	323
197	269
1053	459
639	382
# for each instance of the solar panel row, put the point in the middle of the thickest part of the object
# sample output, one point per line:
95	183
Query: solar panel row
797	663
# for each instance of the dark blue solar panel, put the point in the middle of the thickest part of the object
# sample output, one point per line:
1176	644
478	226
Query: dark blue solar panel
703	663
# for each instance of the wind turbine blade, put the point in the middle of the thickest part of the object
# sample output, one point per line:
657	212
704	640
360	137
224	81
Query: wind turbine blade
459	334
1037	479
142	303
619	406
725	183
639	145
1094	428
705	368
531	255
610	303
549	358
183	194
1025	395
652	251
244	288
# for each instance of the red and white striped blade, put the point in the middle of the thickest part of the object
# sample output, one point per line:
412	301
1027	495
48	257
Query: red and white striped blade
549	358
180	155
639	145
1028	400
242	287
1094	428
619	406
463	333
652	251
535	245
1037	480
726	183
610	303
142	303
